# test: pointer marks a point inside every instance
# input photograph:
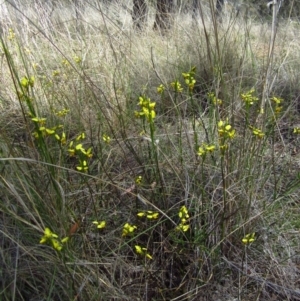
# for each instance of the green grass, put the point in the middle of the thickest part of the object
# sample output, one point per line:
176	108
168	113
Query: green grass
190	168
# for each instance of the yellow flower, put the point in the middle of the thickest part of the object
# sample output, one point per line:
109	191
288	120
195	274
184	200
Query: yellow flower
35	66
210	148
138	180
142	101
139	249
249	98
151	105
227	127
62	139
79	147
82	166
216	101
49	131
80	137
62	113
128	229
76	59
278	109
191	84
277	100
152	215
225	130
176	86
142	251
160	89
100	225
36	135
56	245
31	81
257	132
201	151
189	78
106	138
249	238
205	148
220	124
71	152
55	73
184	216
231	134
182	227
149	114
183	213
88	153
11	34
296	130
65	62
48	235
147	109
26	82
223	147
64	240
40	121
52	238
148	214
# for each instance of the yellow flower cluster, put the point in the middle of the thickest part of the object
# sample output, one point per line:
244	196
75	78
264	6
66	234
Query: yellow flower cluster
138	180
216	101
77	149
27	82
225	130
148	214
42	130
176	85
106	138
147	109
62	139
128	229
40	121
142	251
11	34
55	73
65	62
296	130
77	59
100	225
257	132
278	105
160	89
52	238
189	78
61	113
249	98
249	238
205	148
184	216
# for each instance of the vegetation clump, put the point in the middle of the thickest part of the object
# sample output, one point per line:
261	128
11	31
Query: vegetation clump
139	165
